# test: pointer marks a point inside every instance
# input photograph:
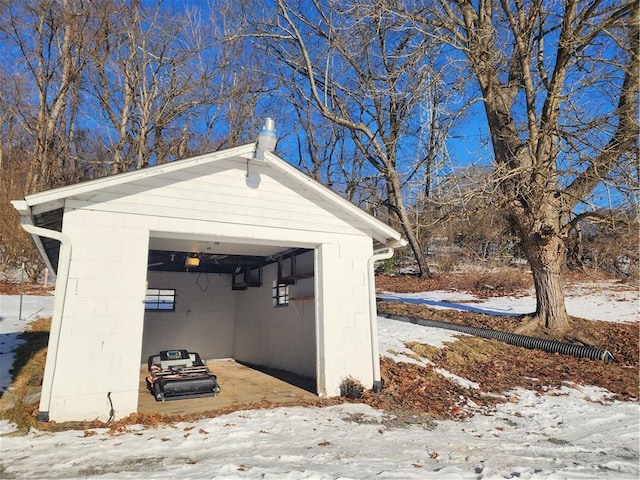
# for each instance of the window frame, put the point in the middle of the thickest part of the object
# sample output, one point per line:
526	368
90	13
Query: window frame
154	293
281	295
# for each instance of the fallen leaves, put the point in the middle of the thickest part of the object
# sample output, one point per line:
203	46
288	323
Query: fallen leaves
421	389
499	367
482	283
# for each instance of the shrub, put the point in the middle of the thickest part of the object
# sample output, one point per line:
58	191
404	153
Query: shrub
351	388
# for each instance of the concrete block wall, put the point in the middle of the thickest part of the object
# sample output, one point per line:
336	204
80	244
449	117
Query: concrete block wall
277	337
344	343
101	329
203	317
103	322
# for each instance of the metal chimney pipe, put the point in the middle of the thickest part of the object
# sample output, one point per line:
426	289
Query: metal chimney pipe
269	125
267	139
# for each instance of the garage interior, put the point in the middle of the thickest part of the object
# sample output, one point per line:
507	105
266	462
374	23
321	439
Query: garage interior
247	309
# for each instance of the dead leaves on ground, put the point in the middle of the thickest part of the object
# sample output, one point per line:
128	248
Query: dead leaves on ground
421	389
10	288
499	367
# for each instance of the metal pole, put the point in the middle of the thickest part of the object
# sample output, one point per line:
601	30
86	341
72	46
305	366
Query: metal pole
21	291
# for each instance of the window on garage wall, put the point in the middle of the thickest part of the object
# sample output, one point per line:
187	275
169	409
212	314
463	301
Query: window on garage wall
280	294
160	299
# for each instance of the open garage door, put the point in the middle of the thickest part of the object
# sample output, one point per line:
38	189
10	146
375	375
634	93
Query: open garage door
252	303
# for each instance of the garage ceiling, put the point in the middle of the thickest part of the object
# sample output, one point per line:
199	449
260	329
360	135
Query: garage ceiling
170	254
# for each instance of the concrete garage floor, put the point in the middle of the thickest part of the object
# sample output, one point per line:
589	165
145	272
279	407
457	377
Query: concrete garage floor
240	385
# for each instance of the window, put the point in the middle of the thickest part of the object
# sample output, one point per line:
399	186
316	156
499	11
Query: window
160	299
280	294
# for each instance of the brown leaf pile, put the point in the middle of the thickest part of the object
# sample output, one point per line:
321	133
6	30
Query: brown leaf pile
410	387
482	283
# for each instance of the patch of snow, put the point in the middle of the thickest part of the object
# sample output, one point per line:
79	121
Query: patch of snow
581	301
570	433
463	382
558	435
33	306
11	326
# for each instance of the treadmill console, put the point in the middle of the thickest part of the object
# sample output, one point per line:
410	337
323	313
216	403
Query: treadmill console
174	354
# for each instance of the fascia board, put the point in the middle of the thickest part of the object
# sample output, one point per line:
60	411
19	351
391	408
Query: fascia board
51	199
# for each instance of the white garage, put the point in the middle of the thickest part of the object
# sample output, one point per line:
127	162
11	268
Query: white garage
233	254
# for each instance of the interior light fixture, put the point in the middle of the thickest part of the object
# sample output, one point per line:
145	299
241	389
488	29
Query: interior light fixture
192	262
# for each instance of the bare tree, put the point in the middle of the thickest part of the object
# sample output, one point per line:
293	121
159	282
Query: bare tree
46	37
559	82
326	152
608	244
365	70
148	80
15	246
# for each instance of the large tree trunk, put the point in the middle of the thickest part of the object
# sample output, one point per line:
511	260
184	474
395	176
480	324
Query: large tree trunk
546	252
416	248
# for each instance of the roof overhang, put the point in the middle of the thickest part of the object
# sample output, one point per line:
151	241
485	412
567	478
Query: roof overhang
48	248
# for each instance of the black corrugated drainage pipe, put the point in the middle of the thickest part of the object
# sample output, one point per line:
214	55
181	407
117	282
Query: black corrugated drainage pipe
532	343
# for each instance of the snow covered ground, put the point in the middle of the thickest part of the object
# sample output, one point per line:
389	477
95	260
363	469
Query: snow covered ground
15	314
571	433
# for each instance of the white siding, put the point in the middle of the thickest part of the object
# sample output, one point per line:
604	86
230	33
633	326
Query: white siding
220	193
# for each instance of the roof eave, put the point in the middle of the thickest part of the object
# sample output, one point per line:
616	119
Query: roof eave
52	199
26	218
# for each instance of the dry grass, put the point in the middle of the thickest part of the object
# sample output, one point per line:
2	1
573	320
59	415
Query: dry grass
27	373
11	288
491	282
483	283
498	367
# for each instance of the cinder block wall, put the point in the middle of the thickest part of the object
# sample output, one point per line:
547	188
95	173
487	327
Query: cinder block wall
203	318
344	340
101	329
278	337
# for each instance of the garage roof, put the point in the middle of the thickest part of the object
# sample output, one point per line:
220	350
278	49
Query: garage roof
45	209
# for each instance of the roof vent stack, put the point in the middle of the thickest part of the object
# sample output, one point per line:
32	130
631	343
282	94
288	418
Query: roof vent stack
267	139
